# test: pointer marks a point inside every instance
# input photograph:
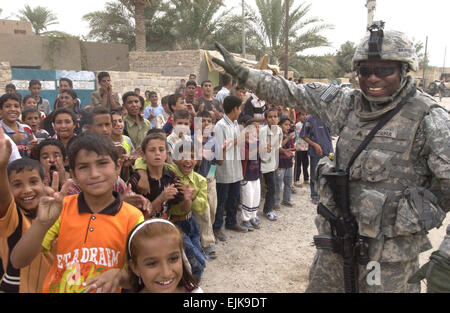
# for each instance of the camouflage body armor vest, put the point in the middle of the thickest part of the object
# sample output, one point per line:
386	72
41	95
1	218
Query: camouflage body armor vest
388	184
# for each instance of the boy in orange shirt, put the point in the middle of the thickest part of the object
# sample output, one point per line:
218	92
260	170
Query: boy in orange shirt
91	227
21	187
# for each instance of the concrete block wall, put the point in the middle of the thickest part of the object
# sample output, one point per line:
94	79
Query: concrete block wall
127	81
5	75
178	63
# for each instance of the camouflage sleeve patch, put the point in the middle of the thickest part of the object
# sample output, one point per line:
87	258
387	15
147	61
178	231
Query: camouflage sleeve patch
330	93
329	103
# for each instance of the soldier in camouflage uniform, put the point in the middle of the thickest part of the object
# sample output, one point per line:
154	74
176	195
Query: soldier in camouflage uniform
399	184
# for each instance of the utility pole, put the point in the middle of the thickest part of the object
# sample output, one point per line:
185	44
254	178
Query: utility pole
286	44
243	30
425	61
371	5
445	55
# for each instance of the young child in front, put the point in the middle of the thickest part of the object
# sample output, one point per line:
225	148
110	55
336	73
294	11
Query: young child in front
21	134
251	169
43	105
161	181
21	187
181	131
207	168
90	228
194	189
175	103
271	138
155	262
284	172
117	135
64	124
52	156
32	117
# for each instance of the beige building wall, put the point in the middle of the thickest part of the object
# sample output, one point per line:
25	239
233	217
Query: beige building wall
15	27
62	53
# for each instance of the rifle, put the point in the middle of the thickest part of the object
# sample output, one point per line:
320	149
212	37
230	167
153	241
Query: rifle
345	239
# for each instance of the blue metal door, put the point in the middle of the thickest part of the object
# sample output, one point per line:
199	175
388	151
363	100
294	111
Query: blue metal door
84	83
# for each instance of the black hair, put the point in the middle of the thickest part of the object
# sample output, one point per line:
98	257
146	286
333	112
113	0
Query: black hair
71	93
206	81
25	99
101	75
34	82
243	119
129	94
64	111
68	80
165	100
193	75
152	136
97	110
191	83
217	88
283	119
155	131
231	102
226	79
9	96
100	144
152	93
142	100
204	113
29	111
116	111
181	114
10	86
50	142
22	164
271	110
172	100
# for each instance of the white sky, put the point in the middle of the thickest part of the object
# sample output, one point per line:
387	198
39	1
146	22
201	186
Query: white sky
416	18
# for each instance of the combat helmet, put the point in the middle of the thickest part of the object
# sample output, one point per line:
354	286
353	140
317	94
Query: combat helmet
385	45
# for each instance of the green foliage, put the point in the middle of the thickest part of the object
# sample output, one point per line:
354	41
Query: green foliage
269	26
114	24
39	17
344	58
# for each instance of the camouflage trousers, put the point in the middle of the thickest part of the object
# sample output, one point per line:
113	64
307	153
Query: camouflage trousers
326	275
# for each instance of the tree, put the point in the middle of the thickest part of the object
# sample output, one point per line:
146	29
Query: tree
39	17
269	30
344	58
112	24
138	8
194	23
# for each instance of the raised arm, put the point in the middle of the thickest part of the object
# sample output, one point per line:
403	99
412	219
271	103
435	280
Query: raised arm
330	103
5	193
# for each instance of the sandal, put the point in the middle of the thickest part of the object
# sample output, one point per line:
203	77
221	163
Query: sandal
271	216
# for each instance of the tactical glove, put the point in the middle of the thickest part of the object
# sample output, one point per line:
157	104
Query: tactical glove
436	272
239	72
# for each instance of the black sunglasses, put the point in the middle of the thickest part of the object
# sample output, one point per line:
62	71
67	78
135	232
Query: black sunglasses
379	71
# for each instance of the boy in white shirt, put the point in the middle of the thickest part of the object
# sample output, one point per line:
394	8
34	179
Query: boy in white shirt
271	139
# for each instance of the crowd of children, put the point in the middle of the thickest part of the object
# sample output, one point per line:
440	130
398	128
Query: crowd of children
133	196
